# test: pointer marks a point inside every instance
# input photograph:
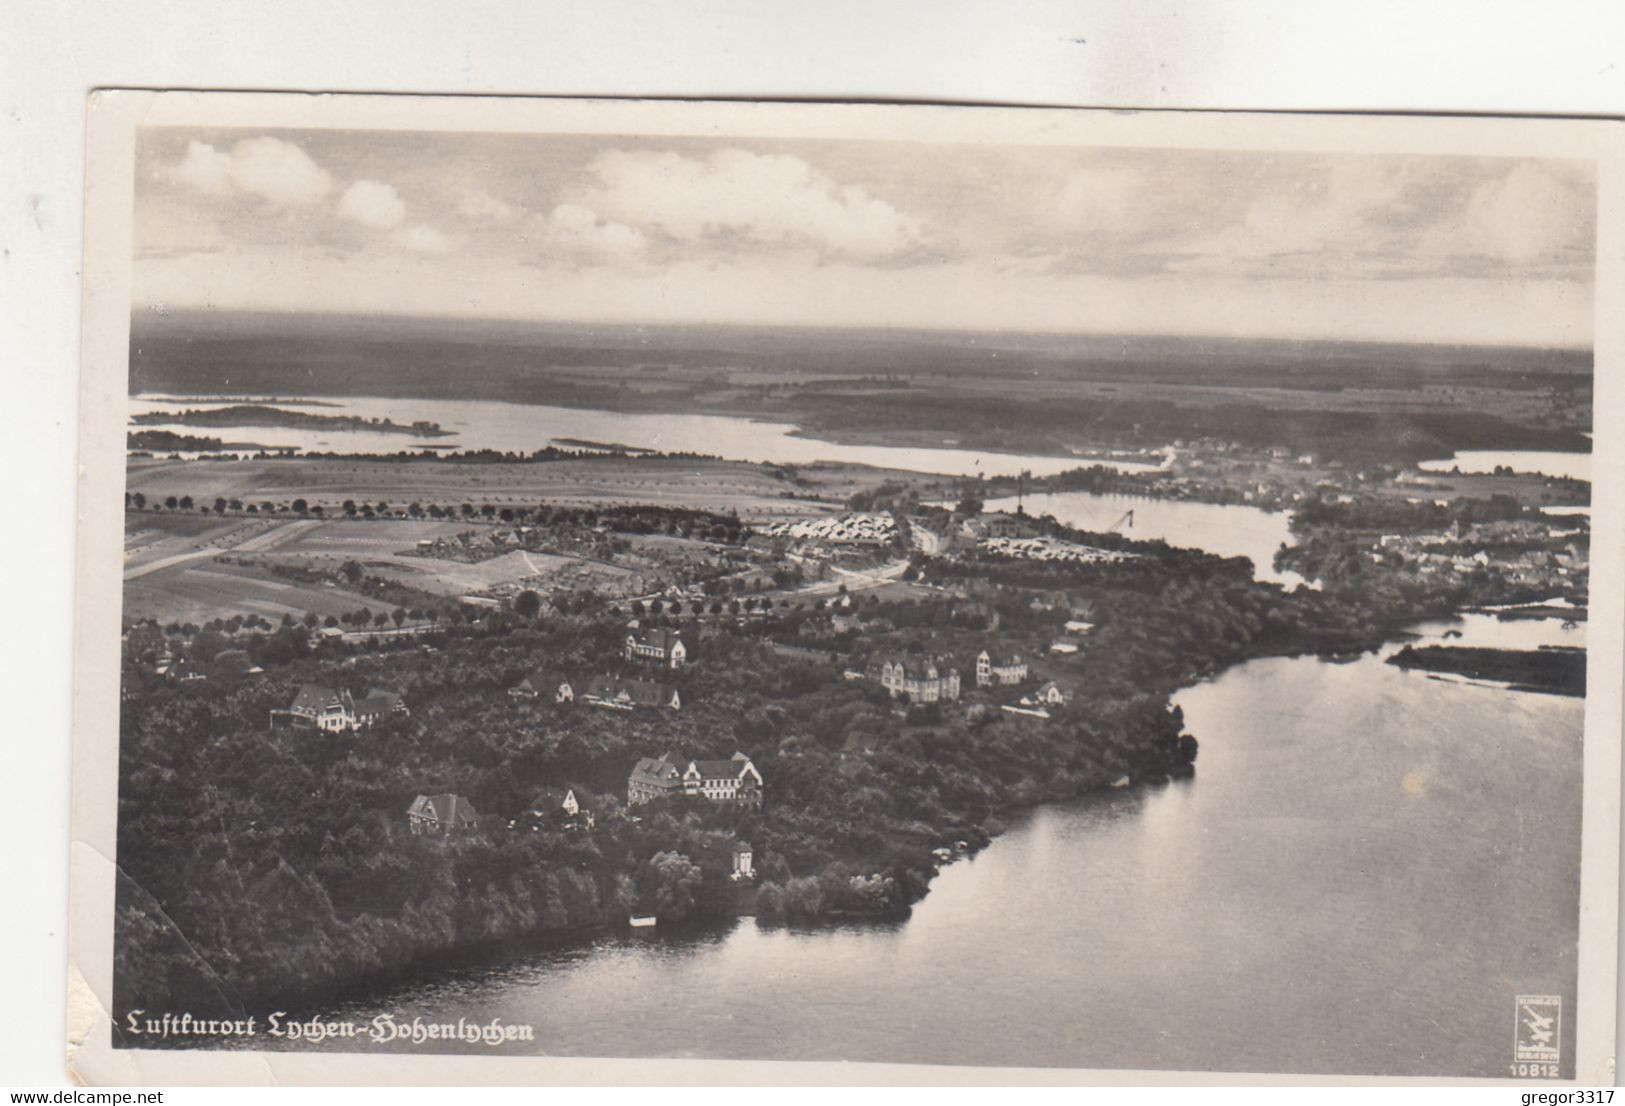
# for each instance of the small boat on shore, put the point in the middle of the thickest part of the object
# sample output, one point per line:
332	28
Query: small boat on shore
640	921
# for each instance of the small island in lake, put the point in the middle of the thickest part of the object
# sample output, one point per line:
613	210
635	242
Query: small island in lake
167	441
1555	669
252	414
606	447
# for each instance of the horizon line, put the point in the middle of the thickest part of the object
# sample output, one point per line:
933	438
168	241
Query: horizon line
137	313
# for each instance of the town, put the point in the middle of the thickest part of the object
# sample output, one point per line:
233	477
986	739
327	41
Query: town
796	700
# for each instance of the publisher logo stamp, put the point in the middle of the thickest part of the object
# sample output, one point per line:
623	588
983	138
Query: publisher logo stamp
1539	1036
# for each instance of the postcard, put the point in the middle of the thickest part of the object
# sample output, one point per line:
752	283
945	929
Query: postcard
601	591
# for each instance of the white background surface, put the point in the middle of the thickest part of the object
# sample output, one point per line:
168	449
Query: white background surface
1552	57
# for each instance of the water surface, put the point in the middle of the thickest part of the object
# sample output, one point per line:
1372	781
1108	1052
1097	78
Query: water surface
525	428
1575	466
1230	530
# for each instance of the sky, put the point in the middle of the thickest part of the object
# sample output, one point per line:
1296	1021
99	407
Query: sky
867	234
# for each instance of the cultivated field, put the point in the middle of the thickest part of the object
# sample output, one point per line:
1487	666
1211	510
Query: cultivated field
201	589
172	570
754	491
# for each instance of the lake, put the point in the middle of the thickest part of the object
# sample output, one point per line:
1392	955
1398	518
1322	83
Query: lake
525	428
1228	530
1574	466
1367	868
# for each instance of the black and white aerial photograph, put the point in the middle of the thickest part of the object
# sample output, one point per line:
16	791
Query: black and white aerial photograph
800	583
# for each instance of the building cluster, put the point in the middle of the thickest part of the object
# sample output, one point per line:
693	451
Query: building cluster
618	692
1530	553
566	808
657	648
849	529
931	678
472	546
1052	549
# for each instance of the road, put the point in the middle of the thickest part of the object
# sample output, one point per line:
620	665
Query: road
853	580
258	543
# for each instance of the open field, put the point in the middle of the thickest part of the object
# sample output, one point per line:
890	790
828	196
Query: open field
195	567
202	588
172	571
461	578
359	538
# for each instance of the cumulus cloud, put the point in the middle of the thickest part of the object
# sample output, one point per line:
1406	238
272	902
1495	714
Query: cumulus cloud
423	239
734	196
1394	217
203	169
1529	214
481	207
373	204
276	171
575	233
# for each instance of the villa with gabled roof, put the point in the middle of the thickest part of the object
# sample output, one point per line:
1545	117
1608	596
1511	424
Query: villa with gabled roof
923	679
338	711
625	694
735	780
661	647
999	669
437	814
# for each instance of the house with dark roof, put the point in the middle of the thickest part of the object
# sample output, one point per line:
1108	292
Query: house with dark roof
569	807
661	647
625	694
924	679
338	711
734	780
999	669
375	706
655	778
441	814
550	687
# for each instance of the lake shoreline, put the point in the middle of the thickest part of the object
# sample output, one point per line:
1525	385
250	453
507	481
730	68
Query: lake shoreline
484	956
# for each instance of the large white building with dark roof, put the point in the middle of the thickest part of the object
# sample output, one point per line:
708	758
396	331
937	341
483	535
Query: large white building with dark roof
338	711
734	780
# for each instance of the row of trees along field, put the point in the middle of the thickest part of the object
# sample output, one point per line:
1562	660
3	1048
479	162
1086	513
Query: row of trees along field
628	518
